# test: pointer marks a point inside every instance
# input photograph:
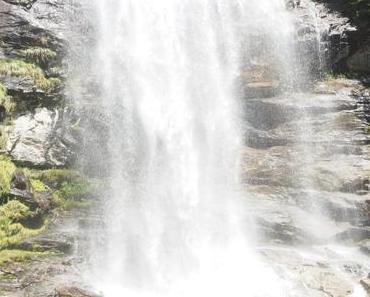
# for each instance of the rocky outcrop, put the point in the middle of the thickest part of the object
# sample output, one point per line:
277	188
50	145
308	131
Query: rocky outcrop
41	131
344	28
45	138
302	150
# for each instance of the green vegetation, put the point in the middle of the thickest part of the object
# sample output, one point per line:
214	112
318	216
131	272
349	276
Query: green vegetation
76	193
15	211
38	55
70	189
18	68
12	231
17	219
7	169
21	256
53	177
3	138
5	100
39	186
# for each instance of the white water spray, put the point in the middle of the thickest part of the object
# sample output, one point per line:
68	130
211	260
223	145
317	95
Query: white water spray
168	71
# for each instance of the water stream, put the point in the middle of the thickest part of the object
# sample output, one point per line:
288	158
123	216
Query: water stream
177	219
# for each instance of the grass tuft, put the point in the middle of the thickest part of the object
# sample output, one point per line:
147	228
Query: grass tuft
7	169
18	68
5	100
21	256
38	55
11	230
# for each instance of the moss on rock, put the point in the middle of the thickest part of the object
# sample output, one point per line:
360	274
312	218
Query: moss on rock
19	68
12	231
38	55
21	255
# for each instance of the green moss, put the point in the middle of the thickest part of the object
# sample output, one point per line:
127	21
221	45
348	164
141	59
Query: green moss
14	211
69	188
38	55
53	177
7	169
75	190
11	230
39	186
21	256
75	194
18	68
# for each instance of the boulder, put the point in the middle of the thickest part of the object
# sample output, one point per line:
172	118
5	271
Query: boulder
21	189
45	138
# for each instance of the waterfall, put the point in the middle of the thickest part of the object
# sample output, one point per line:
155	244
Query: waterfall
168	74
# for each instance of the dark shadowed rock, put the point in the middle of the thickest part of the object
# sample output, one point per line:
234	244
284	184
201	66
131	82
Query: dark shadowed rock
21	188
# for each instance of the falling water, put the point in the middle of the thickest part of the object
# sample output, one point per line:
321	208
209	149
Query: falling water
168	73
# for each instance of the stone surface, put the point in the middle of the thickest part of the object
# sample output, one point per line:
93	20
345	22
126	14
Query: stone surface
45	138
366	284
57	243
73	292
261	89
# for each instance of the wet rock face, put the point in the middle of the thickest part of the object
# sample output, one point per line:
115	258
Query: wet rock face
43	138
33	47
309	153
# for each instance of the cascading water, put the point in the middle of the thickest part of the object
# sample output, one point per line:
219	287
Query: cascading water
168	73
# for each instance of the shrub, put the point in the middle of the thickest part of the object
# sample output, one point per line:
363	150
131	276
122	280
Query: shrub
14	211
